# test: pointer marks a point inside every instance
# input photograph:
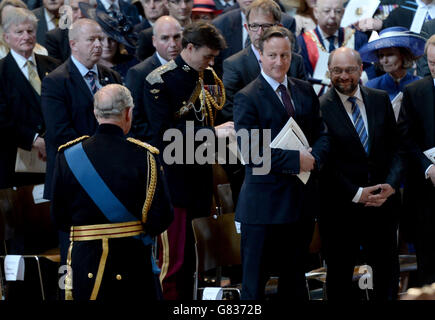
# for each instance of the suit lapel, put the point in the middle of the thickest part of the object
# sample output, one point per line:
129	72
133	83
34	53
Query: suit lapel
341	115
253	68
276	103
236	43
78	80
17	76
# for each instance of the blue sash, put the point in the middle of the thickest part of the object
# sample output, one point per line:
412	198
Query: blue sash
97	189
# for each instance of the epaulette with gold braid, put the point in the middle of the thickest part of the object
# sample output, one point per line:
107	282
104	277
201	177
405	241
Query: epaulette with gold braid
70	143
147	146
156	75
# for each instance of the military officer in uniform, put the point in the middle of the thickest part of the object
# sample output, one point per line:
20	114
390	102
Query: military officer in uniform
185	94
109	193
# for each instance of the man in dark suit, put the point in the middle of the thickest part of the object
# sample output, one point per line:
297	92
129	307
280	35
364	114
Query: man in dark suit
243	67
427	31
167	41
181	10
328	35
48	18
230	24
67	93
418	115
57	41
123	7
153	10
361	181
143	207
21	122
286	219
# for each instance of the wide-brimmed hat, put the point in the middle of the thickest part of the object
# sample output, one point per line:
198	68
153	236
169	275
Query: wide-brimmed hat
205	6
392	37
117	27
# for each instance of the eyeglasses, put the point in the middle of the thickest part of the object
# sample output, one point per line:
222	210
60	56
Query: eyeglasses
255	26
349	70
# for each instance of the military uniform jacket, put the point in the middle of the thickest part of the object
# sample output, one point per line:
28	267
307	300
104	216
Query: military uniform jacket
167	89
123	167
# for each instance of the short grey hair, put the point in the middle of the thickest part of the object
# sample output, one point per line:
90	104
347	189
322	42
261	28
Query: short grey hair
111	100
18	16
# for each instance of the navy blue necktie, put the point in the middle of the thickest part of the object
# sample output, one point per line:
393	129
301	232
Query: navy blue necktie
331	40
286	100
91	77
358	122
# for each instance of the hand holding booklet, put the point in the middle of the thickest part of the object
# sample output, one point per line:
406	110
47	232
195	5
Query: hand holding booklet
430	154
291	137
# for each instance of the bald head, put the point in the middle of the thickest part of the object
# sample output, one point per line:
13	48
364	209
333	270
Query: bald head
167	33
81	25
345	52
345	69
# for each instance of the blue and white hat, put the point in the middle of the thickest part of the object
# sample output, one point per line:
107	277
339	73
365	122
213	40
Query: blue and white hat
392	37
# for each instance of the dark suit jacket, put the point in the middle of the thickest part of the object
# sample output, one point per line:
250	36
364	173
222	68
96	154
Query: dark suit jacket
20	112
427	31
257	106
126	8
57	44
349	167
42	26
145	46
401	16
67	105
419	113
241	68
135	82
230	25
144	24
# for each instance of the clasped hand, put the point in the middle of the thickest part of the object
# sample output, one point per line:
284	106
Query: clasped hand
375	196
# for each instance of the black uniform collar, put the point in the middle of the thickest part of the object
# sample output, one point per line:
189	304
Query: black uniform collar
185	67
112	129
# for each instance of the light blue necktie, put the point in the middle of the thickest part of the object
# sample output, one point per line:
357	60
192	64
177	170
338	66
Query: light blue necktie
359	124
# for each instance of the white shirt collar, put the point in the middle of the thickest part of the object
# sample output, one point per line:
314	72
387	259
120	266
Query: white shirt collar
434	81
272	82
256	52
162	61
344	97
82	69
429	7
226	3
324	36
20	60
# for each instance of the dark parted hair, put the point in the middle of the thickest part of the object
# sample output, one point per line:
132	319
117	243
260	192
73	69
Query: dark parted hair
275	32
203	34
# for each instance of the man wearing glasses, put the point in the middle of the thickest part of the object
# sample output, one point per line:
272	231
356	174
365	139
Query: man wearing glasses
181	10
328	35
360	182
231	25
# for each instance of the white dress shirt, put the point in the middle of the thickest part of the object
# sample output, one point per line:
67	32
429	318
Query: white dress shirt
22	62
245	34
429	7
50	18
348	107
162	61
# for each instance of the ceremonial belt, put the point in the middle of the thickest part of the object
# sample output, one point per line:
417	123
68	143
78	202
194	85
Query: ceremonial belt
110	206
109	231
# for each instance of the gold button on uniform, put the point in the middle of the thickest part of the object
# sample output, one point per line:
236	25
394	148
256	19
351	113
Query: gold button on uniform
118	277
90	275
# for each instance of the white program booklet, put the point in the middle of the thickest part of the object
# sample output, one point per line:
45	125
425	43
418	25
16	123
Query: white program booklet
28	161
291	137
357	10
430	154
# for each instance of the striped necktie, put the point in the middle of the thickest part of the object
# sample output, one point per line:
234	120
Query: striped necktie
33	76
91	77
359	124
